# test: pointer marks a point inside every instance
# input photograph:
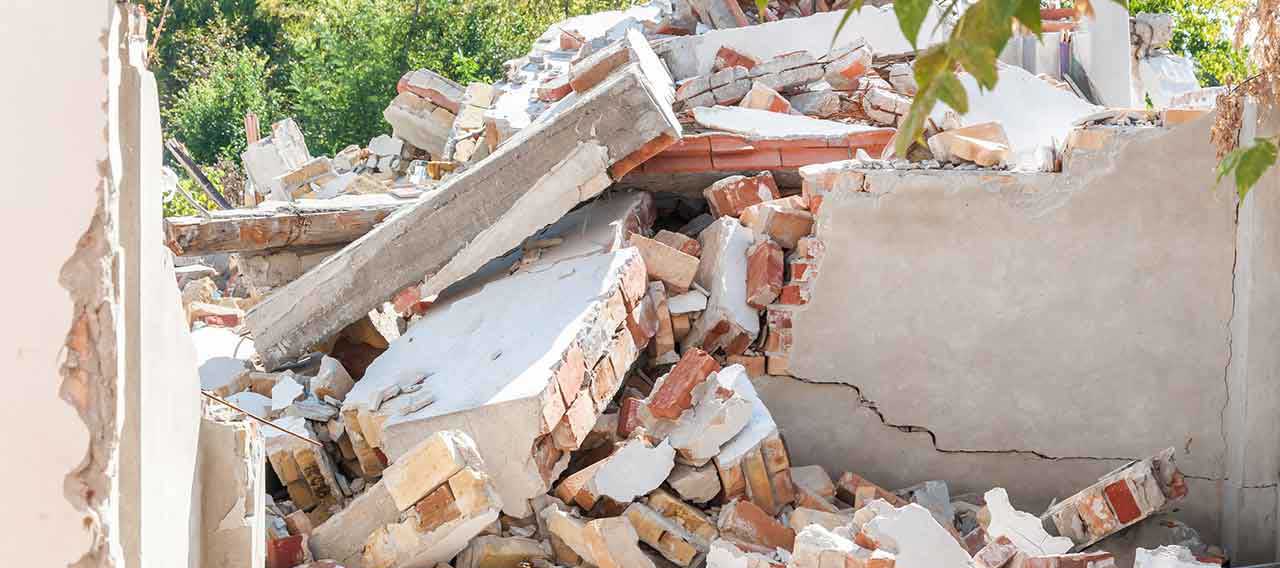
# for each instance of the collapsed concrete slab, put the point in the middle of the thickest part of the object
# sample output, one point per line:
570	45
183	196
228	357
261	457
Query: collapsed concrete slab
540	360
446	236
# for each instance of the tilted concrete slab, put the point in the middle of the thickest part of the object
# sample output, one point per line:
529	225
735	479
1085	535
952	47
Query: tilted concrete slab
475	216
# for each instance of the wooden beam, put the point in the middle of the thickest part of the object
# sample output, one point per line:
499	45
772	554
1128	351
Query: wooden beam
530	181
249	230
179	153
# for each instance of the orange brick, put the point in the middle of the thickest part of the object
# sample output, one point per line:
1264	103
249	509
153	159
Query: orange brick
753	160
764	273
675	394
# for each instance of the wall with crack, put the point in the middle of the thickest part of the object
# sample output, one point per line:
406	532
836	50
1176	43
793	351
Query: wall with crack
1081	315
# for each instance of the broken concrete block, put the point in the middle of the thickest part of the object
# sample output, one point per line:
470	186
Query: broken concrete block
666	264
491	551
885	107
434	87
934	496
297	182
731	195
420	122
984	144
437	527
696	484
847	64
915	538
635	468
668	538
761	97
1168	557
268	158
332	380
473	216
613	543
286	390
1024	529
682	243
745	522
996	553
718	414
728	323
687	516
819	547
785	220
764	273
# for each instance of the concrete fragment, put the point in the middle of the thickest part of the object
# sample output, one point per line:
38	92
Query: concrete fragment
885	107
903	78
1024	529
984	144
231	462
696	484
728	323
635	468
726	554
332	380
688	302
559	169
731	195
764	125
829	520
819	547
438	89
613	543
821	103
285	150
342	536
916	539
934	496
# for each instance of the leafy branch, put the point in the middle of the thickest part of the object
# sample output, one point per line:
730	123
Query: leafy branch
1247	164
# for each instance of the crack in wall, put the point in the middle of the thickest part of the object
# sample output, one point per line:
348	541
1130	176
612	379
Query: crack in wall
868	404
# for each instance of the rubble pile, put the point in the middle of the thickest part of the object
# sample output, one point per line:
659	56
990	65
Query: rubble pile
480	342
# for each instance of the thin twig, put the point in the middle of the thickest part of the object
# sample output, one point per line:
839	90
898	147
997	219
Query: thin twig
215	398
155	40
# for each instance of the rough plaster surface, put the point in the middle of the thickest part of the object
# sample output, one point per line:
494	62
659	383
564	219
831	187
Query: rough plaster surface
1081	316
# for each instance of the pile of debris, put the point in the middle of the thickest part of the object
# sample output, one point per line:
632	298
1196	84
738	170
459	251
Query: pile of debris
478	340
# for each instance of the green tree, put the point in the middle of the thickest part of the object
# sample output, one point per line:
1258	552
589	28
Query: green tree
1201	33
208	115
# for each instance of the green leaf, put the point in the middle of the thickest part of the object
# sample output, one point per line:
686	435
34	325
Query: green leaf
763	5
912	126
1027	13
848	12
951	91
931	63
978	59
911	14
1252	163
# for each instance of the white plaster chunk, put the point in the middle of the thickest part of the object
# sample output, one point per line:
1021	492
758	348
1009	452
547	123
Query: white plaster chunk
916	538
725	554
723	272
481	362
696	484
818	547
222	356
1025	530
286	391
251	402
715	417
688	302
633	470
762	124
760	426
1034	113
1170	556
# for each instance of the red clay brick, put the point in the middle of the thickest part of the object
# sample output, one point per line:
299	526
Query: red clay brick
756	160
1123	502
675	394
764	273
796	157
668	164
641	155
727	57
729	143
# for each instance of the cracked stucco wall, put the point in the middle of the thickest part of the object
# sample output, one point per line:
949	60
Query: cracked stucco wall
1036	330
103	391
